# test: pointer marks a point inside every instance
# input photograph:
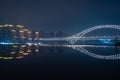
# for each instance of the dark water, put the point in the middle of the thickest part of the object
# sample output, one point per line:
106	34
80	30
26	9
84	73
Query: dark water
58	62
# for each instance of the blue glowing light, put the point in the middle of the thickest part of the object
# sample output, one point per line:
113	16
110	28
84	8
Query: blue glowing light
106	41
6	43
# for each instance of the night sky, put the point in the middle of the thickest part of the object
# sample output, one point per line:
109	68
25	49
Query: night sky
71	16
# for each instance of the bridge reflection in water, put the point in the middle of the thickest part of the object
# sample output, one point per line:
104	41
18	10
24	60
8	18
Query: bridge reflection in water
9	52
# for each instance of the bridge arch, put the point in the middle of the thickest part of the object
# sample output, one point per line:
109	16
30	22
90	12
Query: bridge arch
81	34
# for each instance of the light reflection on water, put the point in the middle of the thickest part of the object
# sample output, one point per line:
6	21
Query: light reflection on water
10	52
16	51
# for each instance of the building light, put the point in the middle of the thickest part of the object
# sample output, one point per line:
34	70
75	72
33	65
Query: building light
15	46
29	38
19	26
1	57
12	52
35	38
15	37
36	50
19	57
21	31
37	32
25	29
1	26
29	44
28	50
23	37
20	51
13	30
35	44
25	53
23	46
10	25
10	57
29	31
5	57
5	25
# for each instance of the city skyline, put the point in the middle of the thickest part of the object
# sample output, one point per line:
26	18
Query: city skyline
17	34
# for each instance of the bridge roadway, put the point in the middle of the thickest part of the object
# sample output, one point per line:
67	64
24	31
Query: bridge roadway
75	38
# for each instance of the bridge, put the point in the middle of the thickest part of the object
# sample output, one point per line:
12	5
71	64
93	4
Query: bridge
80	36
73	39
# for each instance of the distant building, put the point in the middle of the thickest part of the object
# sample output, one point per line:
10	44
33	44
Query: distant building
17	34
14	34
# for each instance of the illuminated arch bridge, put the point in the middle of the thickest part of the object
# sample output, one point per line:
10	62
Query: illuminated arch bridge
80	36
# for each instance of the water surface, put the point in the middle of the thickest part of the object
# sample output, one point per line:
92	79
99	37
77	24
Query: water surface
26	61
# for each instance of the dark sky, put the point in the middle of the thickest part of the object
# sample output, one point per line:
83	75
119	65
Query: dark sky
71	16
